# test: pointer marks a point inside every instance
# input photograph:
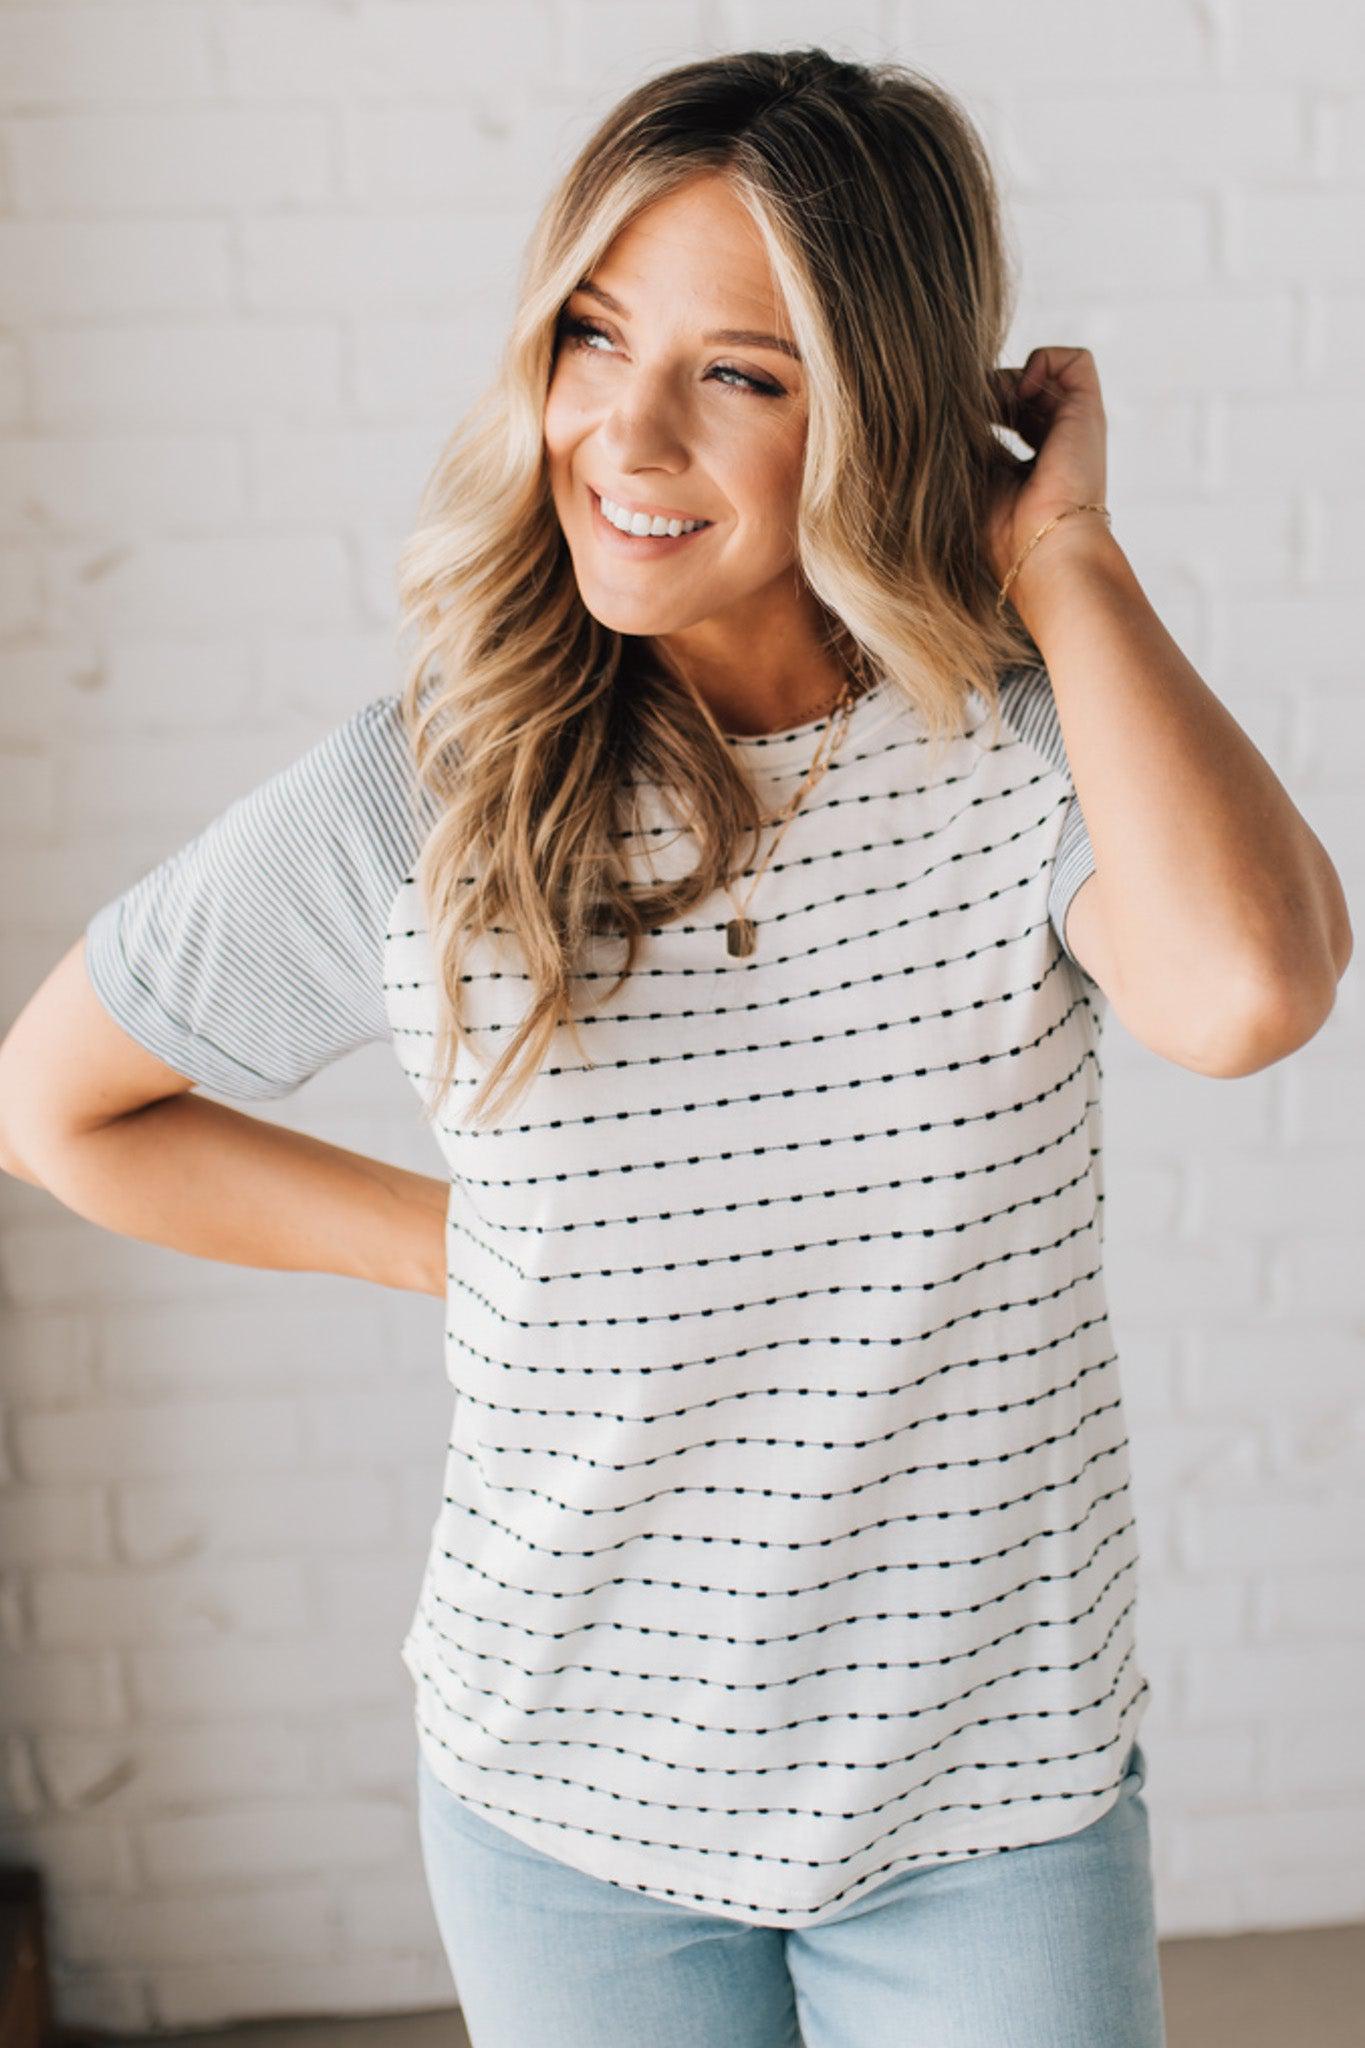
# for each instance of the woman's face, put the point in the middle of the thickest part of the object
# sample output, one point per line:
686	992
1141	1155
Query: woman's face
655	406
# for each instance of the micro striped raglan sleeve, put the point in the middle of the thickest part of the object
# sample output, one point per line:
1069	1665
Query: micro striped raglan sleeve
1030	709
253	955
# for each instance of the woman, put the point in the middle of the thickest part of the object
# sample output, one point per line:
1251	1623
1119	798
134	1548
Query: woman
774	1658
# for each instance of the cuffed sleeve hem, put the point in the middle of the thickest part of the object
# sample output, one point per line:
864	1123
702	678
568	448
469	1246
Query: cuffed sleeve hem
135	1008
1074	863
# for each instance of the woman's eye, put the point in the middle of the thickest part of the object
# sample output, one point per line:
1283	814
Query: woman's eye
579	331
581	334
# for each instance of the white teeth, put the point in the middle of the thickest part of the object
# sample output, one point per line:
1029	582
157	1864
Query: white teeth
640	523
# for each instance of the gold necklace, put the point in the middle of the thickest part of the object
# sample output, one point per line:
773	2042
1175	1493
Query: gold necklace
741	932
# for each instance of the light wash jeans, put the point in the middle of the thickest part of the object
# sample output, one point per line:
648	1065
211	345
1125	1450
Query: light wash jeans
1049	1946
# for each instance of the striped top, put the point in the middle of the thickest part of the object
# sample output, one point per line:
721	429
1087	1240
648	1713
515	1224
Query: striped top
786	1539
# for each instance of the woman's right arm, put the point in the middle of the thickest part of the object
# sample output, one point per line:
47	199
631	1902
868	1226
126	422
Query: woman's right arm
115	1135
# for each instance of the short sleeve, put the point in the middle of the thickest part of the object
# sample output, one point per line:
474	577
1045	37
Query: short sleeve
1030	710
1073	864
253	955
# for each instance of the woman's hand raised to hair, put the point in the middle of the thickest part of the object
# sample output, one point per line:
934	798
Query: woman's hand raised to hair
1053	403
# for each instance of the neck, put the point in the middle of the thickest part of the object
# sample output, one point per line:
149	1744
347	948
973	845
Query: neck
765	671
741	718
749	702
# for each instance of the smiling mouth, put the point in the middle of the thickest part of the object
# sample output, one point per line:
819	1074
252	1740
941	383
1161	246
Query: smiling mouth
641	543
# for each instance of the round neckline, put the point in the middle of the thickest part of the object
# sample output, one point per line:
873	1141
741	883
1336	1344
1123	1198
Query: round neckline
794	739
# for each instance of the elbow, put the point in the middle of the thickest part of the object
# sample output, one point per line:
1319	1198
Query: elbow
10	1161
1275	1019
1343	944
14	1165
1289	995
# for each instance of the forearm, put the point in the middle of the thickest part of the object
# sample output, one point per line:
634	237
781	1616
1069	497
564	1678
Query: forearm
1210	879
211	1181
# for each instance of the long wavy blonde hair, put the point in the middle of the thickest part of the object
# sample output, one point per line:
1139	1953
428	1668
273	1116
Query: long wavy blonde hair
528	719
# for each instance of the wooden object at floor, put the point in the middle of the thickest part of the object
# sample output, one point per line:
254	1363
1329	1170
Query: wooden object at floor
25	1993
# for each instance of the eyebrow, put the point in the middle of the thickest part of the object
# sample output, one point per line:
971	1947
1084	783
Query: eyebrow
742	337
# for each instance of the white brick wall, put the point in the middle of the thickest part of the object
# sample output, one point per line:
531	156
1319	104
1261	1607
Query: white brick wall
255	256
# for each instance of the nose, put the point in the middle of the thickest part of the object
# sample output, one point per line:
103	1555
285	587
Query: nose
642	430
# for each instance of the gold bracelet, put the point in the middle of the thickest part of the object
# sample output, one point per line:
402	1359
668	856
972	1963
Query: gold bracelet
1030	545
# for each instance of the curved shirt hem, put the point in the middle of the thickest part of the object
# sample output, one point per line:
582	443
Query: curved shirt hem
619	1864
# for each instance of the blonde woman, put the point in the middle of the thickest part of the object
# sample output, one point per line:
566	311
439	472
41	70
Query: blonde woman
741	884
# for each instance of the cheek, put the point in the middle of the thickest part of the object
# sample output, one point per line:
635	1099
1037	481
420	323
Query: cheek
555	427
771	455
566	417
768	485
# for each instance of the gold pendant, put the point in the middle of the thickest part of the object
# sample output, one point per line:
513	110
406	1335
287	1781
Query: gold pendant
741	936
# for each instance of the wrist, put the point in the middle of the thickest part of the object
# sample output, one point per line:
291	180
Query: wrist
1077	551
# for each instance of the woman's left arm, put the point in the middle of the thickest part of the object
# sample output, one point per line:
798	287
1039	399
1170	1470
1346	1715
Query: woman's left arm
1225	925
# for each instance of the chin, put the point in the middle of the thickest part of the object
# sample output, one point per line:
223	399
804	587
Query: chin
631	621
635	615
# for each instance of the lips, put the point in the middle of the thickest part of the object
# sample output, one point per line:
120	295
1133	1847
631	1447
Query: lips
640	543
596	494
